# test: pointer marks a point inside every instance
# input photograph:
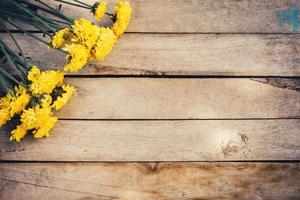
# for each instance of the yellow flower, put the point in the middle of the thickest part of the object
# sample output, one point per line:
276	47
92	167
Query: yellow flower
5	101
19	101
45	129
64	98
18	133
44	82
46	101
4	116
107	39
13	103
100	10
34	73
85	32
61	38
4	109
123	15
78	57
35	118
38	119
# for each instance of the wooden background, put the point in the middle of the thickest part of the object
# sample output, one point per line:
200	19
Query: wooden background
198	100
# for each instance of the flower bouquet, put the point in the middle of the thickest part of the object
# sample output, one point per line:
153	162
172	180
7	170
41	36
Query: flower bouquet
33	95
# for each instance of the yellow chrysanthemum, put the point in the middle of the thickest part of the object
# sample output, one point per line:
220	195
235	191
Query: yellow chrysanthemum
45	129
4	108
44	82
123	15
64	98
19	101
100	10
61	38
78	57
107	39
38	119
5	101
34	73
4	116
85	32
35	118
18	133
46	101
13	103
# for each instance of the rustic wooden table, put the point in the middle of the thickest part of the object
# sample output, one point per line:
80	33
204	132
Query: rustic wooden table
199	100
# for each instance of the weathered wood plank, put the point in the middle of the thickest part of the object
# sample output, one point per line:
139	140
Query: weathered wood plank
211	98
252	55
160	141
227	16
159	181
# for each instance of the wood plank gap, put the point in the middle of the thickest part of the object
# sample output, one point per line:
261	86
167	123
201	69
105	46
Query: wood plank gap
141	162
182	119
175	33
170	76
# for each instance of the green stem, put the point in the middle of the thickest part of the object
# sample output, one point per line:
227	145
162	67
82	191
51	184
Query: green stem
23	65
55	20
7	75
31	35
26	32
16	43
5	84
29	19
39	28
12	64
49	10
33	15
83	3
109	14
23	68
73	4
55	11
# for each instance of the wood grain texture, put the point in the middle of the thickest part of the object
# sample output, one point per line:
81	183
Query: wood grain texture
184	54
211	98
159	181
205	16
203	140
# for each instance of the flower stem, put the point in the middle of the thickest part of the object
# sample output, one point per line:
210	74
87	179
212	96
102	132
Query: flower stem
5	83
52	11
16	43
7	75
12	63
26	32
39	28
39	18
83	3
33	36
109	14
73	4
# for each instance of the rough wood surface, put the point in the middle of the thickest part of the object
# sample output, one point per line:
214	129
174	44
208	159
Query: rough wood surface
161	181
160	141
154	47
210	98
206	16
193	54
